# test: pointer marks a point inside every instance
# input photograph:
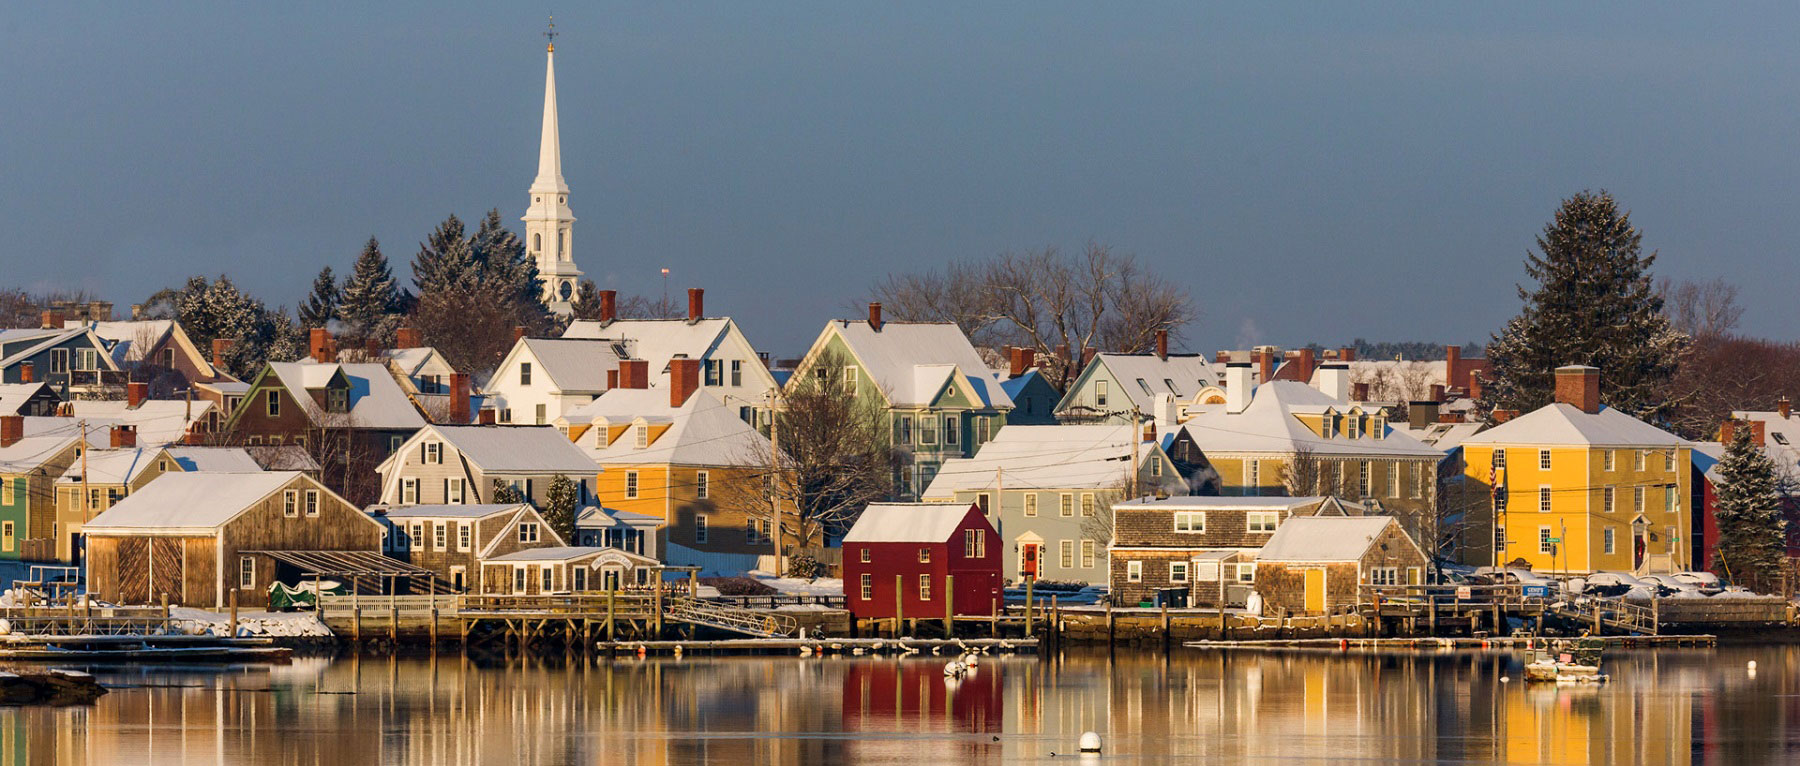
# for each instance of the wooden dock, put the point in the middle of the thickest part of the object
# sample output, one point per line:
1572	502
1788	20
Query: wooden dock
1443	644
580	619
827	645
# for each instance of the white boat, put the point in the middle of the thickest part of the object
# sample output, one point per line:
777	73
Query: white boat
1562	667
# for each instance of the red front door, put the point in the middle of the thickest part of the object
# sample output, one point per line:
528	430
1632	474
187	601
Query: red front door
1029	566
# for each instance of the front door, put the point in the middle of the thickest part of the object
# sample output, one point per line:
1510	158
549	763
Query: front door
1028	560
1315	591
1639	545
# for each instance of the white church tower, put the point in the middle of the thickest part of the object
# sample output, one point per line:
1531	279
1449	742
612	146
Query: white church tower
548	222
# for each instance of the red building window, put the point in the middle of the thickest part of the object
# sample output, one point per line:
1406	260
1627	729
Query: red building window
867	556
924	587
868	584
924	555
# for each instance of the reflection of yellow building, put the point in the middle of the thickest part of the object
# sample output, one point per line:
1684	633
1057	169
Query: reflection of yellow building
1588	488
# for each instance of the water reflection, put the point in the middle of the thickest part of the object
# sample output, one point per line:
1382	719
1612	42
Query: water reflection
1683	707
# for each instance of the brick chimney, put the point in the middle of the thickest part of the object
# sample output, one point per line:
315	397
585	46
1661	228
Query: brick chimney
609	306
1501	416
875	317
220	348
459	398
1087	355
1346	354
486	417
12	429
1062	352
1359	391
1437	392
696	304
684	380
320	346
1729	430
612	378
1265	365
1022	360
518	334
407	337
52	320
124	436
28	372
1162	344
1222	357
634	373
1474	384
1453	370
136	393
1783	406
1305	360
1578	386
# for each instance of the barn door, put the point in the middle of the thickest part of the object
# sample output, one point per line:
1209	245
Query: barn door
133	570
166	573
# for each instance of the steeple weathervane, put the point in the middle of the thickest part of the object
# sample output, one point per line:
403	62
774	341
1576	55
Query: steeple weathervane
550	34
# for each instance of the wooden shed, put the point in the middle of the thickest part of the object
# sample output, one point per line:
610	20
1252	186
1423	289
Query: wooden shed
198	536
903	558
569	569
1317	564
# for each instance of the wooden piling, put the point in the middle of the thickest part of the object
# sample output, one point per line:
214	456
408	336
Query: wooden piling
434	626
949	606
234	622
1431	613
1165	626
393	618
355	617
1029	582
899	609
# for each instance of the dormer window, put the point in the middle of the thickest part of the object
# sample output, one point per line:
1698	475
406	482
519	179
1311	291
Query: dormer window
1378	428
1352	426
643	435
1146	387
337	400
1325	425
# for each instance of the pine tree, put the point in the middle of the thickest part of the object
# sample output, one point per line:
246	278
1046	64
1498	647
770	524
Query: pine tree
370	298
1752	529
444	257
511	272
218	309
587	301
559	507
1594	304
321	305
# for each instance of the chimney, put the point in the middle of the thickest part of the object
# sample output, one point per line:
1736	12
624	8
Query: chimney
1475	384
459	398
407	337
1062	352
1501	416
1729	430
612	378
684	380
1783	406
1304	362
1265	365
1421	414
53	320
1346	354
1222	357
319	345
1334	380
486	417
124	436
136	393
1452	365
634	373
518	334
12	429
1162	344
1027	360
609	306
875	317
1168	412
220	347
1359	391
1578	386
28	372
1087	355
1238	383
1437	392
696	303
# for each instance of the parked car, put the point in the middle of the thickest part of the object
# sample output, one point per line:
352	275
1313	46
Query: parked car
1673	587
1616	584
1707	582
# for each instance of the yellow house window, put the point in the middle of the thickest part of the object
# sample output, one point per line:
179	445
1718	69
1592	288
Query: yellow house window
1608	460
1607	495
7	537
1642	457
1543	499
1543	460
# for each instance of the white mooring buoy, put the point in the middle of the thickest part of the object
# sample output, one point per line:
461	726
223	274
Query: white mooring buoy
1090	742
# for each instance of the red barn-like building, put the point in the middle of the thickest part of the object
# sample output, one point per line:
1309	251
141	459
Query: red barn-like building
919	548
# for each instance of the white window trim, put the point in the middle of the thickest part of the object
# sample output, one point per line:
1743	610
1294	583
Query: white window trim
1134	571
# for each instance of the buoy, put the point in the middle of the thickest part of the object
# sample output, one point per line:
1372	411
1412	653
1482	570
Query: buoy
806	651
1751	664
953	668
1344	644
1505	679
1090	742
971	660
678	652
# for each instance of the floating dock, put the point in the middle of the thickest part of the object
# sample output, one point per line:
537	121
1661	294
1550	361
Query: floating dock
1444	644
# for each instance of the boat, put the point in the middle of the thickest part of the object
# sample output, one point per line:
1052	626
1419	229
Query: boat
1566	664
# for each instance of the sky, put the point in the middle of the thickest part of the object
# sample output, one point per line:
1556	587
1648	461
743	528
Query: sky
1310	172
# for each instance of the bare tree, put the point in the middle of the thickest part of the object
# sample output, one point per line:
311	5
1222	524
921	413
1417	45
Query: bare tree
1303	475
957	294
1723	373
640	307
1700	309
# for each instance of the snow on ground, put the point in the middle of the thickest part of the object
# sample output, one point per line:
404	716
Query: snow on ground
250	623
800	586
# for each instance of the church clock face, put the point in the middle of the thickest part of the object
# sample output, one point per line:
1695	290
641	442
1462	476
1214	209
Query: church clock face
566	290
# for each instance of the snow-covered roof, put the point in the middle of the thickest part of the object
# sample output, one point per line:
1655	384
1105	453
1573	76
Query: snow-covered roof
477	511
892	358
702	431
218	459
1015	386
567	553
1181	374
517	449
376	401
1443	436
596	517
1324	538
1268	424
282	457
574	365
40	340
30	452
158	421
907	523
13	396
111	466
1044	457
46	425
1220	503
657	340
130	340
1561	423
188	501
412	362
1781	438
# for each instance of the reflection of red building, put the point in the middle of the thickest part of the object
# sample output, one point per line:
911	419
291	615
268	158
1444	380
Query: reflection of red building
907	556
915	696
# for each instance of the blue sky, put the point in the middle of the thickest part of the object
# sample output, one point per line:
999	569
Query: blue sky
1312	172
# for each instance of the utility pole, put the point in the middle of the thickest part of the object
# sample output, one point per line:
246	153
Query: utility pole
1136	435
774	479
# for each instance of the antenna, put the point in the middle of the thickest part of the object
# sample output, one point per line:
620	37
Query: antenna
550	34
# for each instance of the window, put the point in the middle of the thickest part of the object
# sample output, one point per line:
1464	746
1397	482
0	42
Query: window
1500	540
1253	476
1418	485
974	543
924	587
546	575
1146	387
1643	456
1246	572
737	372
1606	539
1669	457
982	502
312	502
337	400
519	579
7	537
1384	576
952	427
1190	521
409	491
1155	468
753	531
868	587
1352	426
1379	428
528	532
702	484
1669	496
1066	553
290	503
440	536
1543	499
982	429
1499	458
1393	478
464	536
524	373
905	429
1066	504
631	485
715	372
1087	554
59	360
1325	423
540	413
417	538
1544	541
1087	503
1606	500
537	242
272	403
453	491
1637	499
867	554
1030	504
246	573
1099	393
700	529
850	380
1134	571
1607	459
431	452
7	496
1178	572
924	555
1263	521
928	429
87	360
1543	460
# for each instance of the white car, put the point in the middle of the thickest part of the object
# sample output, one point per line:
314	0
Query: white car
1670	583
1610	579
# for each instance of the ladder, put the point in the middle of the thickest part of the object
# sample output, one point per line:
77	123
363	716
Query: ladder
752	622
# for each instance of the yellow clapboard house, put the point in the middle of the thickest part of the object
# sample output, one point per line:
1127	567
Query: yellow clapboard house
1585	488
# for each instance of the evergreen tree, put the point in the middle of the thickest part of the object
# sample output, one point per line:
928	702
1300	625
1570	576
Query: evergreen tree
587	301
506	494
1594	304
1752	529
321	305
444	257
511	272
370	298
218	309
559	507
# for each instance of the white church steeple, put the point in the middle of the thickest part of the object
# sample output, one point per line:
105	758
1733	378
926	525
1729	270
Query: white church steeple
548	222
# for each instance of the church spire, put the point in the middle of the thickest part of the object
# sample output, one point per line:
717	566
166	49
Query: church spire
549	177
548	221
